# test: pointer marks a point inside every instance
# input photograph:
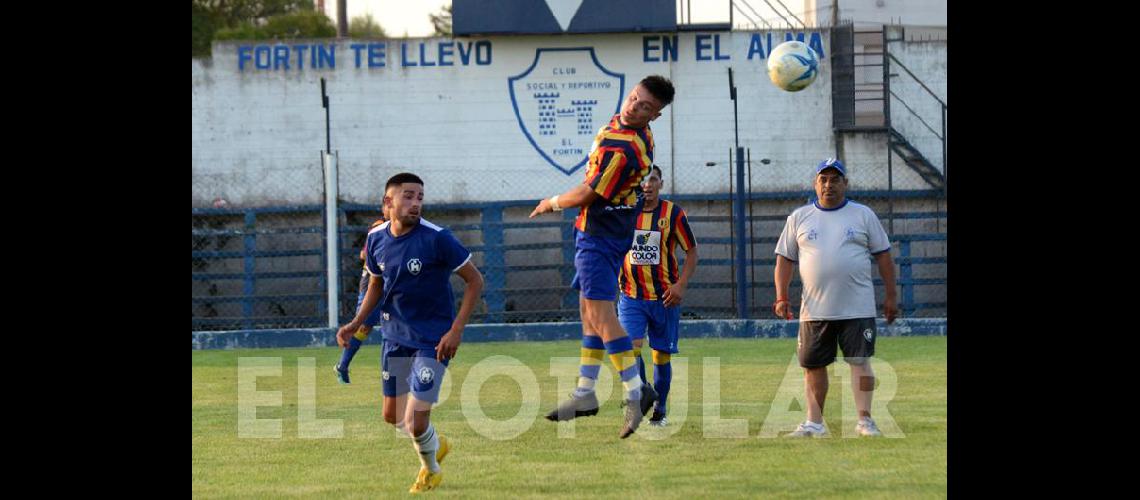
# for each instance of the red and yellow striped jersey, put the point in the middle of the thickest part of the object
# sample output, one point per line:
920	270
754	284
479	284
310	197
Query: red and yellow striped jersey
650	267
375	223
620	157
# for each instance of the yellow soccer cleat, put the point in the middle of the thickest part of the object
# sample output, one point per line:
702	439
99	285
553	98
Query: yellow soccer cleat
444	449
426	481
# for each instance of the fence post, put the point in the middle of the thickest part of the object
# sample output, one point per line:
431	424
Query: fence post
739	261
332	252
905	277
248	287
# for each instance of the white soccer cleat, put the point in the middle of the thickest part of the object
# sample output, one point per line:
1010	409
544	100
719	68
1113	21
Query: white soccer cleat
867	427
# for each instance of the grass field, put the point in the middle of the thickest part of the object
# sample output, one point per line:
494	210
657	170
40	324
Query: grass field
370	460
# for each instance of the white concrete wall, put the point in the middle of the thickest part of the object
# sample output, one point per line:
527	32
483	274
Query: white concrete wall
791	129
927	60
867	166
256	134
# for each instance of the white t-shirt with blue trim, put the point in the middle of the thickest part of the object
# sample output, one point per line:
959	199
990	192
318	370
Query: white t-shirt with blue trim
834	249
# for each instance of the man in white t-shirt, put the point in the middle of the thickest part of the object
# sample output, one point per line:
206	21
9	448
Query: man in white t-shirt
833	240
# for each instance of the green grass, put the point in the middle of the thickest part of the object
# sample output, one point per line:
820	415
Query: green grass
369	460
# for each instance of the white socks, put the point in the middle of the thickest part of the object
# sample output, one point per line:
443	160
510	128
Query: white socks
427	444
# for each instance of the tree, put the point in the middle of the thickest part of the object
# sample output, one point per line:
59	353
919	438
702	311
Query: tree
235	12
365	27
203	25
442	21
255	20
305	24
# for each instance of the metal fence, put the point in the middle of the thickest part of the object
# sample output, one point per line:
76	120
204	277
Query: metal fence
264	267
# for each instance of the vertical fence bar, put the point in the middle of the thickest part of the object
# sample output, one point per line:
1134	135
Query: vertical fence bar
249	285
907	306
332	252
738	209
751	238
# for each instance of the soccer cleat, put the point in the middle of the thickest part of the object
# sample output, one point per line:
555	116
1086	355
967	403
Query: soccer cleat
867	427
658	419
444	448
635	413
625	402
648	398
426	481
633	417
809	429
341	376
576	406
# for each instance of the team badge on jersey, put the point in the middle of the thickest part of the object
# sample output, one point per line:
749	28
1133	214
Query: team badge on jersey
425	380
425	375
414	266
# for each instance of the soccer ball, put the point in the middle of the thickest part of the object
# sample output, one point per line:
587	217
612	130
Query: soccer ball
792	66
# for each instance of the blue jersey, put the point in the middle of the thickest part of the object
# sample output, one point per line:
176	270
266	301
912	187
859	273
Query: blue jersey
417	300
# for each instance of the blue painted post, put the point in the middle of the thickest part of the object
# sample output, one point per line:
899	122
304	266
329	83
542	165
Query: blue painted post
907	306
738	209
493	259
570	298
248	287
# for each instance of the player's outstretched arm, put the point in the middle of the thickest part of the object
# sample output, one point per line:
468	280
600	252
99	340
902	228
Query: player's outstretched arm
471	295
578	196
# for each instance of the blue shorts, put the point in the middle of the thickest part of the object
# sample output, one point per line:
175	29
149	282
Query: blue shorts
374	318
663	323
407	368
597	263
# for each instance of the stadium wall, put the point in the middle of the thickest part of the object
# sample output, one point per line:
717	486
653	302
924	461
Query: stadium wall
445	108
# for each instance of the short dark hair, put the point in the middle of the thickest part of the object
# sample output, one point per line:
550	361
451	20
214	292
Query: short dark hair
659	172
401	178
660	87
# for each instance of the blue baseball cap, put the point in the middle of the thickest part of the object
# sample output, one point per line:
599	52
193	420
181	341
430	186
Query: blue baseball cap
831	163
